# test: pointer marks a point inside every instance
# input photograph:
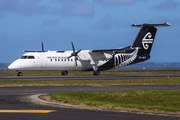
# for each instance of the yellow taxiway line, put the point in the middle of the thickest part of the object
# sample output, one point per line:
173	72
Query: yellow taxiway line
26	111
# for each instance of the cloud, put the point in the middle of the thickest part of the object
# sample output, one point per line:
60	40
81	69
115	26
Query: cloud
118	2
33	7
175	21
167	5
162	20
50	22
66	1
27	7
105	23
8	5
83	9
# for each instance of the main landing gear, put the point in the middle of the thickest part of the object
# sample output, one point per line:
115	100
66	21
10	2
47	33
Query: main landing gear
19	73
95	68
64	73
96	72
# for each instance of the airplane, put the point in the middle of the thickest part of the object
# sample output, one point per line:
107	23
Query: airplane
85	60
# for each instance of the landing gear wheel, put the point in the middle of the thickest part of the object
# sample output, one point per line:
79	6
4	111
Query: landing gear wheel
19	74
96	73
64	73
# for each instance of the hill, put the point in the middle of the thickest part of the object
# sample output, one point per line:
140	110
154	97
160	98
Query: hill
154	65
4	66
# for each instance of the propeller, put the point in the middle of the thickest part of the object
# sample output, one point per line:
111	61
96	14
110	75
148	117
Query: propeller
42	47
74	53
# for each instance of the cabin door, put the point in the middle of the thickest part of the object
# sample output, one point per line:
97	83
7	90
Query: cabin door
43	61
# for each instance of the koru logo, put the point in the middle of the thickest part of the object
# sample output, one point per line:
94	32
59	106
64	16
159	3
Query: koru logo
146	40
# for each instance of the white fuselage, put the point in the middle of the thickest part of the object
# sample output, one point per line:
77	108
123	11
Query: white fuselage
53	60
96	60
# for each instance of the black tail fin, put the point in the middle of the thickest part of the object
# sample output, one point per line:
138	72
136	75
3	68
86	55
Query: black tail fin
145	38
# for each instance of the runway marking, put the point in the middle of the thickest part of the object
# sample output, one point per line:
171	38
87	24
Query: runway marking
27	111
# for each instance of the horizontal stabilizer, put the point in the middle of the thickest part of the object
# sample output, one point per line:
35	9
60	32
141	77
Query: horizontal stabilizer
110	51
155	25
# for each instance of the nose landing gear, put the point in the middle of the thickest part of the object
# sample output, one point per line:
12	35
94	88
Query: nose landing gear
19	73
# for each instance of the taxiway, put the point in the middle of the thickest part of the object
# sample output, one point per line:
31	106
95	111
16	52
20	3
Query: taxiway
18	99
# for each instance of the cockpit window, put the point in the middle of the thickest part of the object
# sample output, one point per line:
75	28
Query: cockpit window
27	57
23	57
30	57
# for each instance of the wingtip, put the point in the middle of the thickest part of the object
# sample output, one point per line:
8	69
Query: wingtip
167	24
132	24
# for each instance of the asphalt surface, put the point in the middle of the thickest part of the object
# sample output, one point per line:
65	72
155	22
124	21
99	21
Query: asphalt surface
83	77
18	98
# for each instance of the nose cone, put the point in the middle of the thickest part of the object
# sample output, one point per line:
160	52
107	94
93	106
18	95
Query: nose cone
14	66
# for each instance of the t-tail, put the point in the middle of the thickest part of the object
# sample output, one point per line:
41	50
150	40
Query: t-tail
145	38
139	51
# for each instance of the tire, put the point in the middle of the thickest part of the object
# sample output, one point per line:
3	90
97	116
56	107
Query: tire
96	73
64	73
19	74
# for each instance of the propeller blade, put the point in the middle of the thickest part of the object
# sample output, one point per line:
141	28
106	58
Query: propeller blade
73	47
75	54
76	63
76	58
42	47
78	51
69	57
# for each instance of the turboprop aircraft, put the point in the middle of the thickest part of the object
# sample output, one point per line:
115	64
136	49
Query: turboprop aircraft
84	60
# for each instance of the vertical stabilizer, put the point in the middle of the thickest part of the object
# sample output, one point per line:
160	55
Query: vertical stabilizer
145	38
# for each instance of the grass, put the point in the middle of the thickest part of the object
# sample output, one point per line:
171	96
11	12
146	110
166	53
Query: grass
158	100
151	81
44	73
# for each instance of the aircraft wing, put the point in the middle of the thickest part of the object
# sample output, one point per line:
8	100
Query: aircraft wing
33	51
111	51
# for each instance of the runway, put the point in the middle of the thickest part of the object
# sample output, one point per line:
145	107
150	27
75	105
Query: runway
18	98
86	77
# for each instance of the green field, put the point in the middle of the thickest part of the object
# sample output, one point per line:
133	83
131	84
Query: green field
154	81
156	100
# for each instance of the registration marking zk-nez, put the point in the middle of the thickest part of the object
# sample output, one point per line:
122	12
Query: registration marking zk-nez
27	111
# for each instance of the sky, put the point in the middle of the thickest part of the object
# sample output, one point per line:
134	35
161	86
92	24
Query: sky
89	24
